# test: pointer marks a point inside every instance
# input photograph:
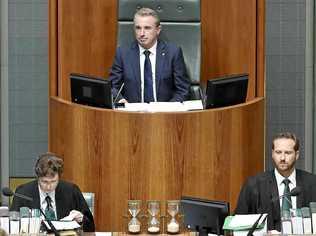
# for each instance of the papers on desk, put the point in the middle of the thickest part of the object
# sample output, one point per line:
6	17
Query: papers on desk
63	225
102	233
241	224
163	106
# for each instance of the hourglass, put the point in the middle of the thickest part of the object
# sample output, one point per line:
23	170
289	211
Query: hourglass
153	208
134	209
173	210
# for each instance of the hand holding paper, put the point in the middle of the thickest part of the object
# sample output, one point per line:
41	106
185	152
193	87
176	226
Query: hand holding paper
74	215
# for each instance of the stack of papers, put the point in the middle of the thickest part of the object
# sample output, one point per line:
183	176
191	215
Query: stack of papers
241	224
163	106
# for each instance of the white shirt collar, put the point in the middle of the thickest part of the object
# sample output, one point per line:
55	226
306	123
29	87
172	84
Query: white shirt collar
43	196
280	178
152	49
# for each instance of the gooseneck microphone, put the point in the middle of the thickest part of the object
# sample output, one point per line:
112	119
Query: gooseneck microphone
8	193
294	192
254	226
118	93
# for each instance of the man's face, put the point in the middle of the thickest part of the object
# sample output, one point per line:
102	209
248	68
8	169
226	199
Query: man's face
48	183
284	156
146	30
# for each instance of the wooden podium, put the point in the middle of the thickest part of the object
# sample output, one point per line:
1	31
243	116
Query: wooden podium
128	155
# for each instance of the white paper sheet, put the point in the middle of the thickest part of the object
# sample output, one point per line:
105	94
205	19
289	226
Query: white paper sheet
63	225
245	220
163	106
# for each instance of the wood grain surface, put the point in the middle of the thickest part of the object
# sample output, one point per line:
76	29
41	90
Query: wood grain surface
125	155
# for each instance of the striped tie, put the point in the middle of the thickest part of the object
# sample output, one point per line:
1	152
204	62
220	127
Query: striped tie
49	211
286	199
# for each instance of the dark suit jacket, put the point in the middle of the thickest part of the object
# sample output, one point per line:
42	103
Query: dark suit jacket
172	82
67	195
260	195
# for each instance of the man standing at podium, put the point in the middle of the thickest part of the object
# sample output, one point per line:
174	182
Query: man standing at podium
150	69
271	192
57	198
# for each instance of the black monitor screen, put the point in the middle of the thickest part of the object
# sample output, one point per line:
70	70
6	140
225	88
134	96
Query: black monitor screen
226	91
204	216
91	91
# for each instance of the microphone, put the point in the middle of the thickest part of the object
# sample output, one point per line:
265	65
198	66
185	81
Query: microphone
118	93
8	193
254	226
294	192
201	94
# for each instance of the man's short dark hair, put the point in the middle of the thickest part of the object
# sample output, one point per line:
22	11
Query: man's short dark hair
144	11
287	135
48	165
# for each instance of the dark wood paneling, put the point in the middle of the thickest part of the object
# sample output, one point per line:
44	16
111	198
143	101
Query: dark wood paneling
122	155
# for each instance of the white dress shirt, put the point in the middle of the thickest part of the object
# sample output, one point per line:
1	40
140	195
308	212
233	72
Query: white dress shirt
292	184
43	201
152	58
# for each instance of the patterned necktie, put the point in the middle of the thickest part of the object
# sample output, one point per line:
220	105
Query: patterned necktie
286	199
49	211
148	79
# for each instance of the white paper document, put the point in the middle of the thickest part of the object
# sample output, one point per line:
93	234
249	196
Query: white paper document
135	107
63	225
193	105
163	106
241	224
245	220
103	233
70	217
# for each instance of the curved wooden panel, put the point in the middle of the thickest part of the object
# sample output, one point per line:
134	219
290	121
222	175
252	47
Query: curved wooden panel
122	155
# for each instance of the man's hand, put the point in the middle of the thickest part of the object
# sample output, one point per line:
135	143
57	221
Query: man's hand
76	215
271	232
123	100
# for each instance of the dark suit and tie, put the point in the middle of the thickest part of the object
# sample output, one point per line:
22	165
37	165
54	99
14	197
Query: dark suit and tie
264	193
67	195
171	82
260	195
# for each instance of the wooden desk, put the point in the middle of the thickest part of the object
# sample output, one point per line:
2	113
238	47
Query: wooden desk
123	233
181	234
125	155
